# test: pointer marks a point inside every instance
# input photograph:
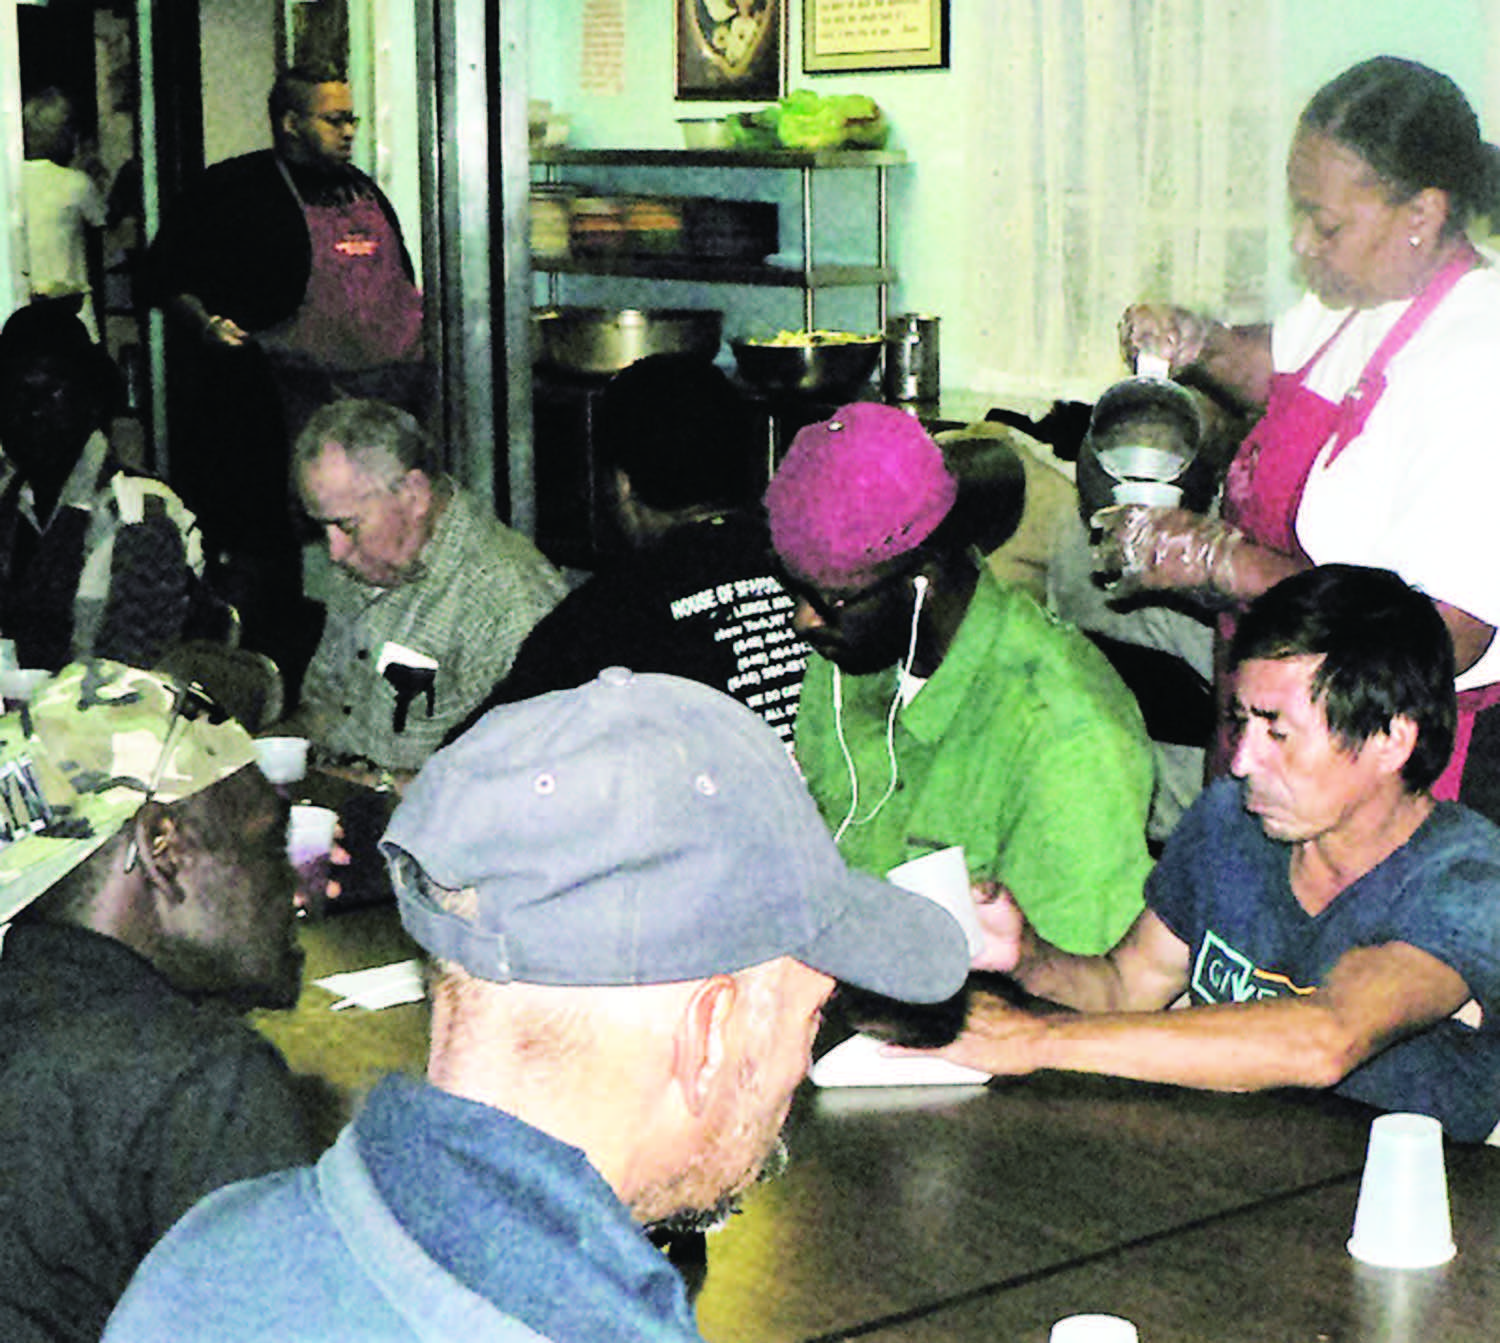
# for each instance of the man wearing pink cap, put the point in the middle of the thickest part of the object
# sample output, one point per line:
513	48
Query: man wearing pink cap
941	706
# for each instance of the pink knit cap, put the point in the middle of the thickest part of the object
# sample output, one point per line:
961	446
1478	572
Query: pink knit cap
854	491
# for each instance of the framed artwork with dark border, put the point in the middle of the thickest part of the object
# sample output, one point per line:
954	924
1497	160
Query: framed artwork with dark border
874	35
731	49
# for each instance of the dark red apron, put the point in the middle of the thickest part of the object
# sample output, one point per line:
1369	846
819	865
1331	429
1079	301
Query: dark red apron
1263	488
358	330
359	310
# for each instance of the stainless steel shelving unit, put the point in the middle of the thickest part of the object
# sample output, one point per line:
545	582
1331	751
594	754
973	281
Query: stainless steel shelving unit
810	277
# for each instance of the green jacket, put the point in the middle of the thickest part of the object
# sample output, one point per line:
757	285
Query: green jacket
1024	746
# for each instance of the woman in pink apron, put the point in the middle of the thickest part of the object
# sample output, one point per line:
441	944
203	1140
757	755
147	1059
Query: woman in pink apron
1379	442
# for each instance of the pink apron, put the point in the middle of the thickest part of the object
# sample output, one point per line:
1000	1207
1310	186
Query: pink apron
1264	485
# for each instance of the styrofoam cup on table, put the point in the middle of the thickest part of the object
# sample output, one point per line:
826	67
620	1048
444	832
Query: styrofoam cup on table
1402	1217
19	684
309	845
1094	1329
310	831
282	759
943	877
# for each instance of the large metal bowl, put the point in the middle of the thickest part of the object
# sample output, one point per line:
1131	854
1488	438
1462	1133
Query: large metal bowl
829	369
605	340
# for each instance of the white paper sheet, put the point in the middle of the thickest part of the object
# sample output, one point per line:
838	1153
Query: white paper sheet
373	989
858	1062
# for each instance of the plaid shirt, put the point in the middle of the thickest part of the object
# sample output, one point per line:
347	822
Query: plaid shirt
481	589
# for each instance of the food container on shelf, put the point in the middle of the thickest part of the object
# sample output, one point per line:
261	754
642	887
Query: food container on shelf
550	222
704	132
653	226
596	226
546	129
730	230
605	340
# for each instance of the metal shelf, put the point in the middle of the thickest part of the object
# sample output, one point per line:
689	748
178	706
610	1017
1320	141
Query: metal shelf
808	278
717	272
723	158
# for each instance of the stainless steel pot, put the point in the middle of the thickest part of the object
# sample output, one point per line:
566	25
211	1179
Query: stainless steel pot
605	340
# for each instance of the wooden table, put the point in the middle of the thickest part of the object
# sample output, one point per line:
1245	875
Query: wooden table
989	1214
955	1214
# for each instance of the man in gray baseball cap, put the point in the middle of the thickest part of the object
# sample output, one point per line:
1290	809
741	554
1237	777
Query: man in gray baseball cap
636	915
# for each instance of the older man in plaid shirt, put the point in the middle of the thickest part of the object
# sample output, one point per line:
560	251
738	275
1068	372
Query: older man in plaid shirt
430	600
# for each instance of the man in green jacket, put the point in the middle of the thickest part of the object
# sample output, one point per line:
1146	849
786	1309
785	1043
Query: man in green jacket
942	707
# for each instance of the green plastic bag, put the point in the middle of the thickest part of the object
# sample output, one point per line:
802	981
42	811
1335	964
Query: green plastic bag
808	120
846	120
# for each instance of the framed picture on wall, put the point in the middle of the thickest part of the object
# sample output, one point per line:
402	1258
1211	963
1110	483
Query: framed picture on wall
731	48
874	35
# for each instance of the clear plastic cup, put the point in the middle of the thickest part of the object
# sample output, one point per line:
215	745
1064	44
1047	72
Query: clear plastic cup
309	845
943	877
1402	1219
1094	1329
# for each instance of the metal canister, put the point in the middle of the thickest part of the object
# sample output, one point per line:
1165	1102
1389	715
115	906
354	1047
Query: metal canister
910	370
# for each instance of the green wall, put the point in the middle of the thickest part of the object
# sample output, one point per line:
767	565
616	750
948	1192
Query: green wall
936	118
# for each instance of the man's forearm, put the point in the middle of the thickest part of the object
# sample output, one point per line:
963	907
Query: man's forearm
1087	983
1231	1047
1093	983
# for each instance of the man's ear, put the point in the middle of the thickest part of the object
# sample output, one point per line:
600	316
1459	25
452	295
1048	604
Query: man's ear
160	850
702	1048
416	488
1396	743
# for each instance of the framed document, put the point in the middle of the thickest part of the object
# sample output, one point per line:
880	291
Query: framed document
874	35
730	48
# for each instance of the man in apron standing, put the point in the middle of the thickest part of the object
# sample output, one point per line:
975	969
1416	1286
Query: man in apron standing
290	286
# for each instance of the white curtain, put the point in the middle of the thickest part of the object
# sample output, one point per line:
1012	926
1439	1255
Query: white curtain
1135	158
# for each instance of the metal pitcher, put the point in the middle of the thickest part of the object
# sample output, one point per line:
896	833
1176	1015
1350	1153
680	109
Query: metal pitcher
910	371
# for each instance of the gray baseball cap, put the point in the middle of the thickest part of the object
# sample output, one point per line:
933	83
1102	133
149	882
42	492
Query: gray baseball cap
644	829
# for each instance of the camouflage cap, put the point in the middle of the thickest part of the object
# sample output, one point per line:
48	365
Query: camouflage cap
80	757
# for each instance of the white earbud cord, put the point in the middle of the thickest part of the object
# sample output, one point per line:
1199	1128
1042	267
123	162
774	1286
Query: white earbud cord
920	584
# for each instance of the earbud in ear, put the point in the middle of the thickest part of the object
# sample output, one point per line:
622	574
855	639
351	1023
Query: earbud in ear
919	586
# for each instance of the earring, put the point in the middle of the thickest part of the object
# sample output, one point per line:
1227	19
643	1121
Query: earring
1414	240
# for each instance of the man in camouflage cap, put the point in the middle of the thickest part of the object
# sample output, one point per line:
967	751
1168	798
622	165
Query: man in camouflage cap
144	873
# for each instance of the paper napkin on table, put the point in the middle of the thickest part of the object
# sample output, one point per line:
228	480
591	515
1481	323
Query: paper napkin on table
858	1062
382	986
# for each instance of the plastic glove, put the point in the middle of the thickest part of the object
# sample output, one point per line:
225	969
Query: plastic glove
1164	548
1173	334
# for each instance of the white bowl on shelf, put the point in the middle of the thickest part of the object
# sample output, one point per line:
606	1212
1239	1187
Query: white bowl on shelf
704	132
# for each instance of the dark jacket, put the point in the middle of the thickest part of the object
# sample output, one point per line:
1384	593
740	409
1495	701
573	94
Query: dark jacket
237	240
122	1103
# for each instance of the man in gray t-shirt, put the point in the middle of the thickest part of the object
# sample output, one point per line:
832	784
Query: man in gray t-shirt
1333	925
